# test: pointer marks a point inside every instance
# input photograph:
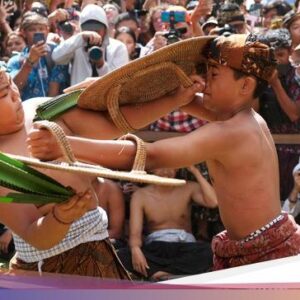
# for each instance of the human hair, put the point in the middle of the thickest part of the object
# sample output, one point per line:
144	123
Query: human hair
31	18
125	17
261	84
281	7
276	38
125	29
152	11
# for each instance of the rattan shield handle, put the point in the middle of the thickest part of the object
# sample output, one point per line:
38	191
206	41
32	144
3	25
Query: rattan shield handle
61	139
140	156
113	94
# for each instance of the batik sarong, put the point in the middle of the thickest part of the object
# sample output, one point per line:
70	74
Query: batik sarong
97	259
279	238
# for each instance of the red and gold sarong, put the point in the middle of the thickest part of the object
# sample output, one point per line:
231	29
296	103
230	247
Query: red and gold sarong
97	259
275	240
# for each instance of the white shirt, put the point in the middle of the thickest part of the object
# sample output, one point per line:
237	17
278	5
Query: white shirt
73	51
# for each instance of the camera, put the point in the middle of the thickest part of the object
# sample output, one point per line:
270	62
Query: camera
66	27
226	30
173	17
95	53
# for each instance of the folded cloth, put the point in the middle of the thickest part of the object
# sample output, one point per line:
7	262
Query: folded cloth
170	235
280	238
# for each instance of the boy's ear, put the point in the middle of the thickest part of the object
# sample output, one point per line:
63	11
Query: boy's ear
248	86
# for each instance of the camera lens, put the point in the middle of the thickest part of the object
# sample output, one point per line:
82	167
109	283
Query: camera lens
66	27
95	53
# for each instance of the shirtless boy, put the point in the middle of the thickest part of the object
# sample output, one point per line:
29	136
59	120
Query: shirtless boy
238	148
169	247
61	224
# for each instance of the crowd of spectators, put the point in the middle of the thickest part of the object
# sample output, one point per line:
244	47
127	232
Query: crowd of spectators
47	46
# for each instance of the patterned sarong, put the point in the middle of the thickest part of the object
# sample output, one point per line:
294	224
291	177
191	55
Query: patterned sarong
97	259
281	239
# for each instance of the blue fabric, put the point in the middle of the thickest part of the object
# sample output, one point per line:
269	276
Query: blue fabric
40	76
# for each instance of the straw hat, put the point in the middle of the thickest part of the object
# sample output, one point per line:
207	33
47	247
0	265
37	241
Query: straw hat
71	165
145	79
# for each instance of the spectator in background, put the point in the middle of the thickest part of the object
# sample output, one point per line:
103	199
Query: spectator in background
231	14
209	25
292	203
112	10
280	104
255	8
84	3
273	10
111	199
33	70
107	55
127	36
291	21
14	43
169	247
128	20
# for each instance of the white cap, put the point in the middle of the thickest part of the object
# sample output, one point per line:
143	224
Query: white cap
93	12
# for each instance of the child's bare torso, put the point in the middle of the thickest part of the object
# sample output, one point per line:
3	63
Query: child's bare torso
167	208
246	178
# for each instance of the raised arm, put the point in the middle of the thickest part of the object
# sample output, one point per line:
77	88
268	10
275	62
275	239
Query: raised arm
99	125
290	107
203	193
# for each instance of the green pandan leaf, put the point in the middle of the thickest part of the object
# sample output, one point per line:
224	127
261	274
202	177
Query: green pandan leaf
32	198
16	174
53	108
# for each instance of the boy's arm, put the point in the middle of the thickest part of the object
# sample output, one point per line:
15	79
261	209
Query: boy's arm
139	261
28	223
205	143
204	194
98	125
116	210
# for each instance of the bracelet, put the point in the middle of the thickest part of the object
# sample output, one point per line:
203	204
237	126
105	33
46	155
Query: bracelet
59	220
30	62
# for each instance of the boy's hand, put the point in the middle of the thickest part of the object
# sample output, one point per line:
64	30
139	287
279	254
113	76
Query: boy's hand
184	96
42	144
74	208
139	261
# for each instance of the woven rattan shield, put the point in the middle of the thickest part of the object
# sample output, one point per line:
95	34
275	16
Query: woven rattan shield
145	79
70	164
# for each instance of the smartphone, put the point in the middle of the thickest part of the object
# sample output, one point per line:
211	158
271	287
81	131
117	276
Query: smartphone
39	36
177	16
